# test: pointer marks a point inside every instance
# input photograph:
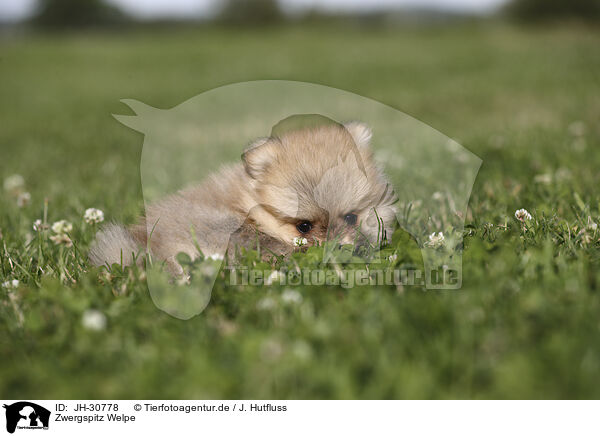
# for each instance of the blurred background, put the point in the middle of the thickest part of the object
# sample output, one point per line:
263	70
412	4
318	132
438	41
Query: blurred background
97	13
477	70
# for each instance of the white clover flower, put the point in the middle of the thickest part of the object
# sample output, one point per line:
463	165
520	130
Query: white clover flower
11	284
14	183
38	225
271	350
563	174
93	320
577	128
587	232
586	238
543	178
416	204
23	199
436	241
300	242
290	296
437	196
266	303
207	269
215	256
61	227
522	215
61	239
93	216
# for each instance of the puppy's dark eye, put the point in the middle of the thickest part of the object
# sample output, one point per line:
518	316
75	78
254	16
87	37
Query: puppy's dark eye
304	226
350	219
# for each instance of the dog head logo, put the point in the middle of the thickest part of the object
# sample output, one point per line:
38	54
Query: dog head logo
430	176
26	415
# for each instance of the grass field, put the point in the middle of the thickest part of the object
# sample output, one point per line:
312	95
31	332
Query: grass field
525	324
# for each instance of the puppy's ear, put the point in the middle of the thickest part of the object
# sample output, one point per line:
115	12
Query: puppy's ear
259	155
360	132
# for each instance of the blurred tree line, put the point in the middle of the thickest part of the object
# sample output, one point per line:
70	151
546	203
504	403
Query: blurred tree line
76	13
544	10
93	13
252	12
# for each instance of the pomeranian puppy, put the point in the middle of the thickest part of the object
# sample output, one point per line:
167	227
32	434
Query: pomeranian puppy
317	183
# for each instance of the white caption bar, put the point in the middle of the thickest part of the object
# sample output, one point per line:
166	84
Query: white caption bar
299	417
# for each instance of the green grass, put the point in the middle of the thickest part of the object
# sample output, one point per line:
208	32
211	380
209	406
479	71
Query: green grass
524	325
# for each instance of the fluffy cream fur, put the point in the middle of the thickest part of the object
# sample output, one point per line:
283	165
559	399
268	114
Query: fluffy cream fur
318	175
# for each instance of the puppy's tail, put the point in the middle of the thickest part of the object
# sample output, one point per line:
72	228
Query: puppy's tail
114	244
